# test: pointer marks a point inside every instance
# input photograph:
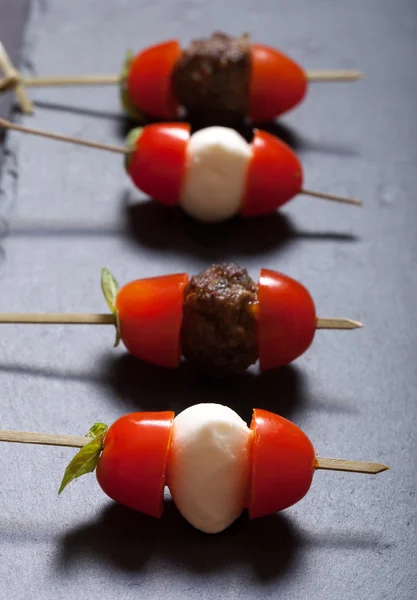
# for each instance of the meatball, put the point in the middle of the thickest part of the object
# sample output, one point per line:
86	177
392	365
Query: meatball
219	331
212	79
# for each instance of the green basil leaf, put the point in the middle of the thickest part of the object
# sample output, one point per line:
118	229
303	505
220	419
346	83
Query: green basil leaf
110	288
118	335
97	429
130	108
85	461
130	143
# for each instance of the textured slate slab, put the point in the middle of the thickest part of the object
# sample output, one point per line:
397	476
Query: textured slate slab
71	211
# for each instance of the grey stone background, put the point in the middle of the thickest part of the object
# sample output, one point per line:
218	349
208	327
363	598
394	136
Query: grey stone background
67	211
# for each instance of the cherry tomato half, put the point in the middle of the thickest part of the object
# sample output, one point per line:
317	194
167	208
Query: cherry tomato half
150	318
274	175
283	462
158	163
286	319
132	467
277	83
149	80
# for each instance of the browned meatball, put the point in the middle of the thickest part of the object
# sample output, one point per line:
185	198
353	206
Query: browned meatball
212	79
219	332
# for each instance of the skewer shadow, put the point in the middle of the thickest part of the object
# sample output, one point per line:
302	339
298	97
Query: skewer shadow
277	128
150	224
135	385
271	546
139	385
158	227
128	540
84	111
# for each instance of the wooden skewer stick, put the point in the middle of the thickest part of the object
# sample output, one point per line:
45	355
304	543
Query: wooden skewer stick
78	441
46	439
109	319
333	75
351	466
110	79
120	150
332	197
113	79
337	324
62	138
58	318
12	80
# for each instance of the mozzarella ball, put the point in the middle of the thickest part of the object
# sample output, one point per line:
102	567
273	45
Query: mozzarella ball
215	178
208	472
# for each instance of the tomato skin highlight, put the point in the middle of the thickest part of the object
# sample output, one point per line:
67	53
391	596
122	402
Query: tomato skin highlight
274	176
132	467
150	317
283	464
149	80
286	319
277	83
157	165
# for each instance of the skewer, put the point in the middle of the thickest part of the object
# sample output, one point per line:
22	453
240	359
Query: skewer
338	324
332	197
110	319
349	466
320	75
12	80
113	79
62	138
78	441
123	150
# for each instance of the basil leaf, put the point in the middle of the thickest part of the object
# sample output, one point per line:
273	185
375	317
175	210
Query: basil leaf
130	143
110	288
118	335
130	108
96	430
85	461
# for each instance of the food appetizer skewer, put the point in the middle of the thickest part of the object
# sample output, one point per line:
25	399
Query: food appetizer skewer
220	319
220	79
213	464
213	174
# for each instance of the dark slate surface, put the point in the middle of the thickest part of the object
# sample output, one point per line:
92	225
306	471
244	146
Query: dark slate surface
12	22
70	211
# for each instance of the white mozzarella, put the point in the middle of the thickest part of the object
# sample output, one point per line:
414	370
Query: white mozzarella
208	473
217	163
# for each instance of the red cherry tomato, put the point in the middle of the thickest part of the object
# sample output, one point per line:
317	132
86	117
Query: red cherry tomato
283	463
149	80
158	163
131	469
274	175
150	317
286	319
277	83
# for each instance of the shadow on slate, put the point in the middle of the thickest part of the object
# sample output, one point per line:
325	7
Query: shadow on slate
82	111
150	224
276	128
270	546
153	225
128	540
138	385
134	385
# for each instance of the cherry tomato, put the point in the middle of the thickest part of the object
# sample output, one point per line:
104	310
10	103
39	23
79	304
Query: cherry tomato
274	175
150	318
131	469
149	80
158	163
286	319
283	463
277	83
